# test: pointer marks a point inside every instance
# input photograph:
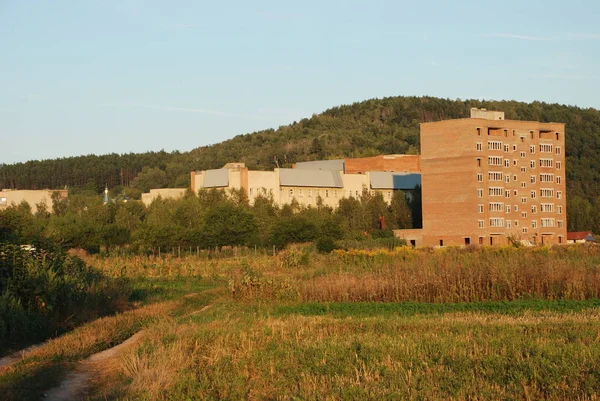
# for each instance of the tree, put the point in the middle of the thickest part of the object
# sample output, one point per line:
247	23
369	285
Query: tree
401	211
149	178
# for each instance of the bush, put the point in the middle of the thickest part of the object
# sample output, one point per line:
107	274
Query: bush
43	292
325	245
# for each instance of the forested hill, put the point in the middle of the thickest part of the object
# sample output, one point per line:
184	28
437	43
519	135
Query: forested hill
377	126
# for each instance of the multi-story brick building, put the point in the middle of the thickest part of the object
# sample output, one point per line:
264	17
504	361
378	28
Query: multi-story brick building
487	180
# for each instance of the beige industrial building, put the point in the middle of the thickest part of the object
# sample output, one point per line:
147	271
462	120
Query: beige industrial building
487	180
163	193
310	181
34	198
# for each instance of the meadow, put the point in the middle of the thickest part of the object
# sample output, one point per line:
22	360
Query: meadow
434	324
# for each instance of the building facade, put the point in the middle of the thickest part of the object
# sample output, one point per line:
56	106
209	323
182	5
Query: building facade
489	181
34	198
308	184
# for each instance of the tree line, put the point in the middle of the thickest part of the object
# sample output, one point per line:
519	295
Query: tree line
368	128
211	219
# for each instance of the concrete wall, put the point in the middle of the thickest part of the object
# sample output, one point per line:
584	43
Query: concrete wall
32	197
164	193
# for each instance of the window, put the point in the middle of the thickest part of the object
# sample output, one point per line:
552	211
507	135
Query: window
534	209
507	193
523	154
558	150
559	209
523	184
532	179
515	192
532	163
547	207
524	199
523	169
495	161
479	131
480	193
515	162
494	145
478	162
558	179
356	194
495	191
546	193
546	162
547	222
480	208
335	193
327	193
493	176
497	222
559	223
389	194
299	193
480	223
507	209
546	177
310	193
515	208
506	163
524	230
506	148
291	192
514	148
532	149
507	223
507	178
523	214
545	148
318	192
516	223
250	192
479	177
479	146
558	165
533	194
533	223
496	206
558	194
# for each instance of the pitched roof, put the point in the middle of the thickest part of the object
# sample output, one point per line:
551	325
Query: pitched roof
289	177
580	235
216	178
392	180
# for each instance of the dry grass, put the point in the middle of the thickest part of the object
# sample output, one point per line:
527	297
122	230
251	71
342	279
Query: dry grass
459	356
46	365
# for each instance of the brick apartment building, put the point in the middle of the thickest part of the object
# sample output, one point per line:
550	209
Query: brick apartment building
487	180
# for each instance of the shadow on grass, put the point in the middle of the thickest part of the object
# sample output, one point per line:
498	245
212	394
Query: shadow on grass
30	384
346	309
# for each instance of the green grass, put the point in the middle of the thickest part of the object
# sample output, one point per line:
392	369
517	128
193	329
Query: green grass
365	309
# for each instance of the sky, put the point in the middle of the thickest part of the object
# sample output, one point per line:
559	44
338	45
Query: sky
96	77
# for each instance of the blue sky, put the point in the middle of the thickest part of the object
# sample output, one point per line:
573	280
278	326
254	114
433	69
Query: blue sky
82	77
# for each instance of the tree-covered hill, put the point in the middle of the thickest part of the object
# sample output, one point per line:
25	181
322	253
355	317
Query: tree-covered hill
376	126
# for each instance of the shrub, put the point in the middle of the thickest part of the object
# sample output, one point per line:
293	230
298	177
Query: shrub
325	245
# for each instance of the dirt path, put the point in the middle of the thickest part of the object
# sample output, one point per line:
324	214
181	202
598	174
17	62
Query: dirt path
17	356
78	380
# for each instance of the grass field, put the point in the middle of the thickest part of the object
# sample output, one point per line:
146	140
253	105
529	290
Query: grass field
461	324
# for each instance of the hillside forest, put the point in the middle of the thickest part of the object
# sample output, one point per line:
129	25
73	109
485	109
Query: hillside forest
377	126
